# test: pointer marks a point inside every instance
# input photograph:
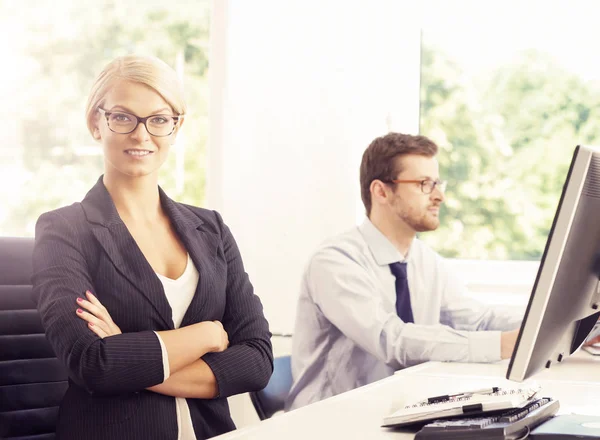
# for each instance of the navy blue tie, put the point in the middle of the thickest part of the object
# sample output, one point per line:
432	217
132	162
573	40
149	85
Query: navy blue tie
403	307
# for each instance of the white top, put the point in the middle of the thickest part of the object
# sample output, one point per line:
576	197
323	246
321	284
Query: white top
179	293
347	333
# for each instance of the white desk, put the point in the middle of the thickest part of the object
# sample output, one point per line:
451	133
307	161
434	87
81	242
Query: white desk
357	414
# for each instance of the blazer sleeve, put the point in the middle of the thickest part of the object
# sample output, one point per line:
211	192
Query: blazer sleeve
247	364
113	365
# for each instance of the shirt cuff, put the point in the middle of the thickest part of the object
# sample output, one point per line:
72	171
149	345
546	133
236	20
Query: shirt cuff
484	346
165	357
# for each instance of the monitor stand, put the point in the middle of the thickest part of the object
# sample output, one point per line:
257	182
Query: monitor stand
583	327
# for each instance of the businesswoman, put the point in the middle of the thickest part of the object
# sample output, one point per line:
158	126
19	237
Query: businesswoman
143	299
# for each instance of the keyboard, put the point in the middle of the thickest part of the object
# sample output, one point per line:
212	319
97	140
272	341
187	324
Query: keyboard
512	424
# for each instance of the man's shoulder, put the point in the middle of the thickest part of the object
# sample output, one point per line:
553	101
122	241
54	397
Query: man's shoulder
347	247
349	241
335	257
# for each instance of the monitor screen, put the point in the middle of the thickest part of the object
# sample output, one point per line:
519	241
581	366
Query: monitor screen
565	301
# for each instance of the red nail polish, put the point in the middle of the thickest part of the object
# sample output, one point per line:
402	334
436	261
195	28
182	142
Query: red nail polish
79	300
91	325
79	311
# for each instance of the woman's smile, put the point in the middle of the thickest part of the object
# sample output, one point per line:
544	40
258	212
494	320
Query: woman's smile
138	153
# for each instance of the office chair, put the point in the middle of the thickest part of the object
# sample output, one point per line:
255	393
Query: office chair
32	381
272	398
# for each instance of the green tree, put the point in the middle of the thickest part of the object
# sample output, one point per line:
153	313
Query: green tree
67	53
545	111
475	209
506	140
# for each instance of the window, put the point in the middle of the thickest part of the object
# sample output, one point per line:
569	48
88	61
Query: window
47	158
507	92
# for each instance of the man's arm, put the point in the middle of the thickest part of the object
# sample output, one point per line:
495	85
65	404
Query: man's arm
348	296
464	313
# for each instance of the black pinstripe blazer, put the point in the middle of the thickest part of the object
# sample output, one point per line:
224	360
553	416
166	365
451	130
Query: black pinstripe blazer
87	246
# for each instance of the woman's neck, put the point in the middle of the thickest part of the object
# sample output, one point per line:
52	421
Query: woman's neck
136	198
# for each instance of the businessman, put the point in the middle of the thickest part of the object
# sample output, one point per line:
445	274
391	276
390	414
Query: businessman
377	299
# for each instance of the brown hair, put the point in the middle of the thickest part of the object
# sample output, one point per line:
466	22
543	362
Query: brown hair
379	159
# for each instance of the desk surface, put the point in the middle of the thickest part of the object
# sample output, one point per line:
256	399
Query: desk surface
357	414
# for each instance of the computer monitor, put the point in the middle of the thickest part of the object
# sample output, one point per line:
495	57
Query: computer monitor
565	301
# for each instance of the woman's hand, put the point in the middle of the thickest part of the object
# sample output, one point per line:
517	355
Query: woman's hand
219	335
97	317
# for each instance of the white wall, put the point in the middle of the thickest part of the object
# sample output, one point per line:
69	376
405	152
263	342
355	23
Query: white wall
299	88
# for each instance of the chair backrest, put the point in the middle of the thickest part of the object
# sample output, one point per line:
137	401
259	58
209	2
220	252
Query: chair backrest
32	381
272	398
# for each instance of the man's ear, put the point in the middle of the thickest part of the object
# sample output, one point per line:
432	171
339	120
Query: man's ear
378	190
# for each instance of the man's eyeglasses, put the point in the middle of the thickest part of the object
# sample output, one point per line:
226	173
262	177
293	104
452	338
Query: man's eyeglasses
427	185
124	123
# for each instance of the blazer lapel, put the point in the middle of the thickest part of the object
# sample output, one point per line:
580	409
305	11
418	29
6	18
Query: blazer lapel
123	251
202	246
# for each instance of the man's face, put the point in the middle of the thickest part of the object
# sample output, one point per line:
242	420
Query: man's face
409	203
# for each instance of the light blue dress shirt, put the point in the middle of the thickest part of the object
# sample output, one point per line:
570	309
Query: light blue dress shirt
347	333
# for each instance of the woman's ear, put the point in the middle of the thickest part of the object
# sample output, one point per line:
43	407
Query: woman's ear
96	126
179	124
176	131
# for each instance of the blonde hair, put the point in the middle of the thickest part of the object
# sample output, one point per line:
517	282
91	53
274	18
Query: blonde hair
149	71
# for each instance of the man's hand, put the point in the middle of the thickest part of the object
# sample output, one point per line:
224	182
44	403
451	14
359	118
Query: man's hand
97	317
595	339
508	340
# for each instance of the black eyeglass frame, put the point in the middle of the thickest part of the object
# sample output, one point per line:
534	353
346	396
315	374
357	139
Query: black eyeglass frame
107	114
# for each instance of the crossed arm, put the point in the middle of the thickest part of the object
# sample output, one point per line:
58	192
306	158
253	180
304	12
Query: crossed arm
200	362
191	377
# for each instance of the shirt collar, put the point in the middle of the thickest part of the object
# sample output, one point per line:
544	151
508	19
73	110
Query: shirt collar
381	247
